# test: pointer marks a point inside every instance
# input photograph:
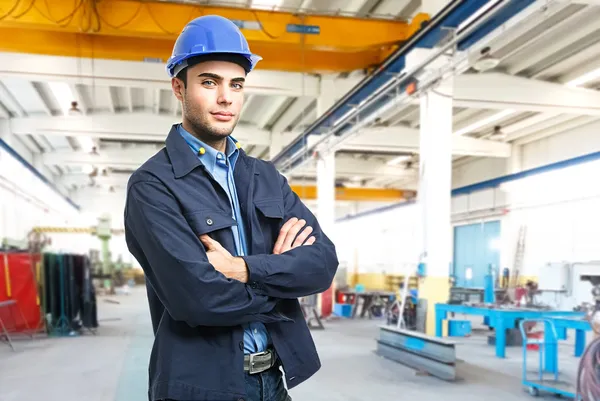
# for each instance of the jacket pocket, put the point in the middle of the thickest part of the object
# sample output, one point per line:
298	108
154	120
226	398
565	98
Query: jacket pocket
207	221
270	208
269	213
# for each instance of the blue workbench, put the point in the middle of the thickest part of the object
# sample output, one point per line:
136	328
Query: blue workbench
502	319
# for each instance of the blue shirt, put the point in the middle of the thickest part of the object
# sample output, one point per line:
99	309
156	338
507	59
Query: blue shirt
220	166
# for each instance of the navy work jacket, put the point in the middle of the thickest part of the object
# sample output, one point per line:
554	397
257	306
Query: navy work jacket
197	313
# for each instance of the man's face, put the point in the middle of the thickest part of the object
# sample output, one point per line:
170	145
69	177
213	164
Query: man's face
213	98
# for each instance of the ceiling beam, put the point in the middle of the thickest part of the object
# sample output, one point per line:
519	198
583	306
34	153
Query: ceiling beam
9	101
346	166
502	91
559	127
123	126
291	114
99	72
403	139
351	167
115	158
269	111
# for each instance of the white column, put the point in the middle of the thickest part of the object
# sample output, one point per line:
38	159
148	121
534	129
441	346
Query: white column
436	178
434	194
326	163
326	192
326	185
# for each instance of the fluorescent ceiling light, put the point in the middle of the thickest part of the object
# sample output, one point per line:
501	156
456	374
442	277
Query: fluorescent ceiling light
63	94
397	160
482	123
87	169
585	78
477	14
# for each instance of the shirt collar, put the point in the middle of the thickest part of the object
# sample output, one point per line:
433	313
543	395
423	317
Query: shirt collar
210	155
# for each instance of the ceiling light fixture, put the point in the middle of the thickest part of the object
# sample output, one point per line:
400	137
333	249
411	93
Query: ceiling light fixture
585	78
482	123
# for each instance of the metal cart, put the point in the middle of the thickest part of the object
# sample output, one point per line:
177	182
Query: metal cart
543	382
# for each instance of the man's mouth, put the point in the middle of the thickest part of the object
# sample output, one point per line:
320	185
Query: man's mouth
223	115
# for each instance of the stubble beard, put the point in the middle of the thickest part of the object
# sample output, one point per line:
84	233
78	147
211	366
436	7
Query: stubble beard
202	128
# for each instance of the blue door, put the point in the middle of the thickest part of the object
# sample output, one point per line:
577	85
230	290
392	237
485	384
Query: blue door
476	247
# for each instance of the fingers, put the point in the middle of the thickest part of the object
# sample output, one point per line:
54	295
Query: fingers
310	241
207	242
291	235
302	237
282	234
211	244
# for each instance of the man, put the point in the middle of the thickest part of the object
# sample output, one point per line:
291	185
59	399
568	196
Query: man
226	246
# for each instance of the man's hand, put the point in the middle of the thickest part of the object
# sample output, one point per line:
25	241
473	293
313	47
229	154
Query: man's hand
287	236
223	261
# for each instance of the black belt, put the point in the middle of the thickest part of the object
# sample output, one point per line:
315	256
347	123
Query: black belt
259	361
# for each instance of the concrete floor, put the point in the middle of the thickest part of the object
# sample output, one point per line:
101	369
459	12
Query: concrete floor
112	365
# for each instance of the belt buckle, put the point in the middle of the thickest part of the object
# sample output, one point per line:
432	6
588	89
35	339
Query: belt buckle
251	369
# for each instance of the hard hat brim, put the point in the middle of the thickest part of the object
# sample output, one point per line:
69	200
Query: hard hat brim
178	63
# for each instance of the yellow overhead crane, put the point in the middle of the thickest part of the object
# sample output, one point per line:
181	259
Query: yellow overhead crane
309	192
139	30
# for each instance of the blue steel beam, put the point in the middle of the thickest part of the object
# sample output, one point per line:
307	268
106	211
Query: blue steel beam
455	13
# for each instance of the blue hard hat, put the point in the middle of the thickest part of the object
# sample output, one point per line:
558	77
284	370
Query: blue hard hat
209	34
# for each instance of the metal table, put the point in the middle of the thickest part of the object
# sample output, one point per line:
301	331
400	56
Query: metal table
7	304
368	299
501	319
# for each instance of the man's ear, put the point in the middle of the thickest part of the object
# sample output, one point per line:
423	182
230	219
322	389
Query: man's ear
178	88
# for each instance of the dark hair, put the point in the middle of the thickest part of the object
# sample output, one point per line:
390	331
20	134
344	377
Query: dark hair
231	57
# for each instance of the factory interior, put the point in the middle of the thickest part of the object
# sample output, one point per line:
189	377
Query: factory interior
442	145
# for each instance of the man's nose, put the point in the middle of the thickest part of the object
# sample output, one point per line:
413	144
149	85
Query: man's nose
224	95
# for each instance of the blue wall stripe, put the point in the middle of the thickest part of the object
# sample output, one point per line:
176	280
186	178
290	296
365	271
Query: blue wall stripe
35	171
493	183
534	171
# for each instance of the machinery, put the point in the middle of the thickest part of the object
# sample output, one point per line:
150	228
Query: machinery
568	286
107	273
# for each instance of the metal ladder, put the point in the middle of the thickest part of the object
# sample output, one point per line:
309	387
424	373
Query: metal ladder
519	256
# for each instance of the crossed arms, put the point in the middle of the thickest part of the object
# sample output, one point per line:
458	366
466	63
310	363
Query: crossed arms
187	279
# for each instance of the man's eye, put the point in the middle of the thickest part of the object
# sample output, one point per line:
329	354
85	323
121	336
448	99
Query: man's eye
238	86
209	83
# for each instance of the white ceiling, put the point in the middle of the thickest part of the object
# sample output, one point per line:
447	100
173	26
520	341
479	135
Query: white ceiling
127	107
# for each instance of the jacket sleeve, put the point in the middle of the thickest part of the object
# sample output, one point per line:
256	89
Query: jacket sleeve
299	272
176	265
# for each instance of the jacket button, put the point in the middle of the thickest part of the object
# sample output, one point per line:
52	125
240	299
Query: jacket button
241	345
209	221
253	285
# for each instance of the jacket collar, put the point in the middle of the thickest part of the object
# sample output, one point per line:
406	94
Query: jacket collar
183	159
